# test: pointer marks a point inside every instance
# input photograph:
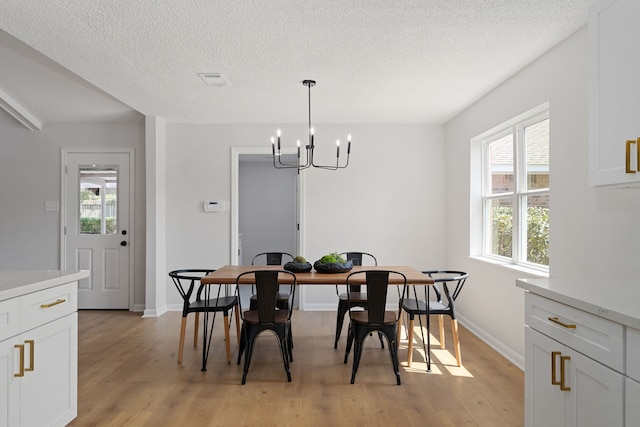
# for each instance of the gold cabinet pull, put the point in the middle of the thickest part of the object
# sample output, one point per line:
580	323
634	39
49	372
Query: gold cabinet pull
21	373
558	322
554	380
627	168
56	302
31	354
638	156
563	359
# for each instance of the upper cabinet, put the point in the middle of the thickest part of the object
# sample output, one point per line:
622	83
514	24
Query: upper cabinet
614	93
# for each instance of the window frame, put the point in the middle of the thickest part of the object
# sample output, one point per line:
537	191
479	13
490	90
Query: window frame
482	197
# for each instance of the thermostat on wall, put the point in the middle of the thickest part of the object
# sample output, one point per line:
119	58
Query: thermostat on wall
213	206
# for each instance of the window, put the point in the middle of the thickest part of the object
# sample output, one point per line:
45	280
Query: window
514	193
98	199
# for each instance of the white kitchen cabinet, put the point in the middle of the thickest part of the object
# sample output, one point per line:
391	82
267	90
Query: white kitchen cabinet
39	357
564	386
632	412
614	93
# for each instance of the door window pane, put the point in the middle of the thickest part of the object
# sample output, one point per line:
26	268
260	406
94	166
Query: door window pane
98	199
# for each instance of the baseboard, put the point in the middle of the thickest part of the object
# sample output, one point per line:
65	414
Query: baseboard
138	308
155	312
491	341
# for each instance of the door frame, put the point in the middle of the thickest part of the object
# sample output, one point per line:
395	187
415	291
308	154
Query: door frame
64	154
235	167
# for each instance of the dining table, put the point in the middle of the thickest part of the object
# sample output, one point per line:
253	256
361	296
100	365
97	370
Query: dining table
228	274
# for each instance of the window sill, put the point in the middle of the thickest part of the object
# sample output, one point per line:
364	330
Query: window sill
513	267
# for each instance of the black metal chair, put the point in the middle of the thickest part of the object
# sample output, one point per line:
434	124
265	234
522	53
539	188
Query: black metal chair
185	281
272	258
266	316
416	306
358	298
375	318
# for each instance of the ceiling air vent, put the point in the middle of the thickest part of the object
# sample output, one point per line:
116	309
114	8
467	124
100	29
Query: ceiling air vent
214	79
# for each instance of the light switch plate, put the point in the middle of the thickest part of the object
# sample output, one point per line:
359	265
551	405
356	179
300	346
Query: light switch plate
51	206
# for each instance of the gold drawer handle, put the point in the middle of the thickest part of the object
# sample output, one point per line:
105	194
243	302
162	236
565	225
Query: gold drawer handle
554	355
31	353
59	301
563	359
565	325
627	165
21	373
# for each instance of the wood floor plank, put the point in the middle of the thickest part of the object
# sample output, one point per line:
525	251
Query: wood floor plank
129	376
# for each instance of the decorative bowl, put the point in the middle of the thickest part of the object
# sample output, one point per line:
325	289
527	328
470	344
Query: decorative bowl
334	267
298	267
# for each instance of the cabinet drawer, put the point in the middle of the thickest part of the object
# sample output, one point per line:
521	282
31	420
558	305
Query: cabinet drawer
9	318
633	353
594	336
44	306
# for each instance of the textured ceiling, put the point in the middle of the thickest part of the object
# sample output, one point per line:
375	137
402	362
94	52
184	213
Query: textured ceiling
401	61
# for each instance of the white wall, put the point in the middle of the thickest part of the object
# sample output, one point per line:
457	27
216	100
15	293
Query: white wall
389	201
592	230
30	175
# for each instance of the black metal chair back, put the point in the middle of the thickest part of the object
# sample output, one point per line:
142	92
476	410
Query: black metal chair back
272	258
265	315
356	258
375	317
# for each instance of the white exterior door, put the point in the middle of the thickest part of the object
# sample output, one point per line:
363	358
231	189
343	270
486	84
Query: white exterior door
97	217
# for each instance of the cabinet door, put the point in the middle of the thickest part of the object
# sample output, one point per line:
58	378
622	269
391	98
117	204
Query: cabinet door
10	384
614	95
632	396
544	402
597	393
49	393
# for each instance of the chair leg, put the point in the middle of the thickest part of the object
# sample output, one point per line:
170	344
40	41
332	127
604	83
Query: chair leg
285	351
242	343
410	338
238	324
456	341
399	328
195	329
393	352
350	339
183	328
227	338
247	360
341	312
357	354
441	326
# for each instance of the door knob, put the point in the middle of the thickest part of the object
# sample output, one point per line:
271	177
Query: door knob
123	243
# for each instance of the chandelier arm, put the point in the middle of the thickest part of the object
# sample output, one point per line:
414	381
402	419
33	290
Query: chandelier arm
310	148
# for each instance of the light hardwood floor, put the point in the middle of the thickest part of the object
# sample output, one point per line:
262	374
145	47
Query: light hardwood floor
128	376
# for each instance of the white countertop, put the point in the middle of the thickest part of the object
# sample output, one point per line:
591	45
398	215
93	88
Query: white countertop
616	300
15	283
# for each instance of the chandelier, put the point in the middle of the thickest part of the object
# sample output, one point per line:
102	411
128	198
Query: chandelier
309	148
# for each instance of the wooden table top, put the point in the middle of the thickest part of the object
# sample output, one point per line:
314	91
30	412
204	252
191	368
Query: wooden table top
228	274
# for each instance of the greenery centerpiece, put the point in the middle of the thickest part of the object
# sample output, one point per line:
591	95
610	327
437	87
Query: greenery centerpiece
332	263
298	265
